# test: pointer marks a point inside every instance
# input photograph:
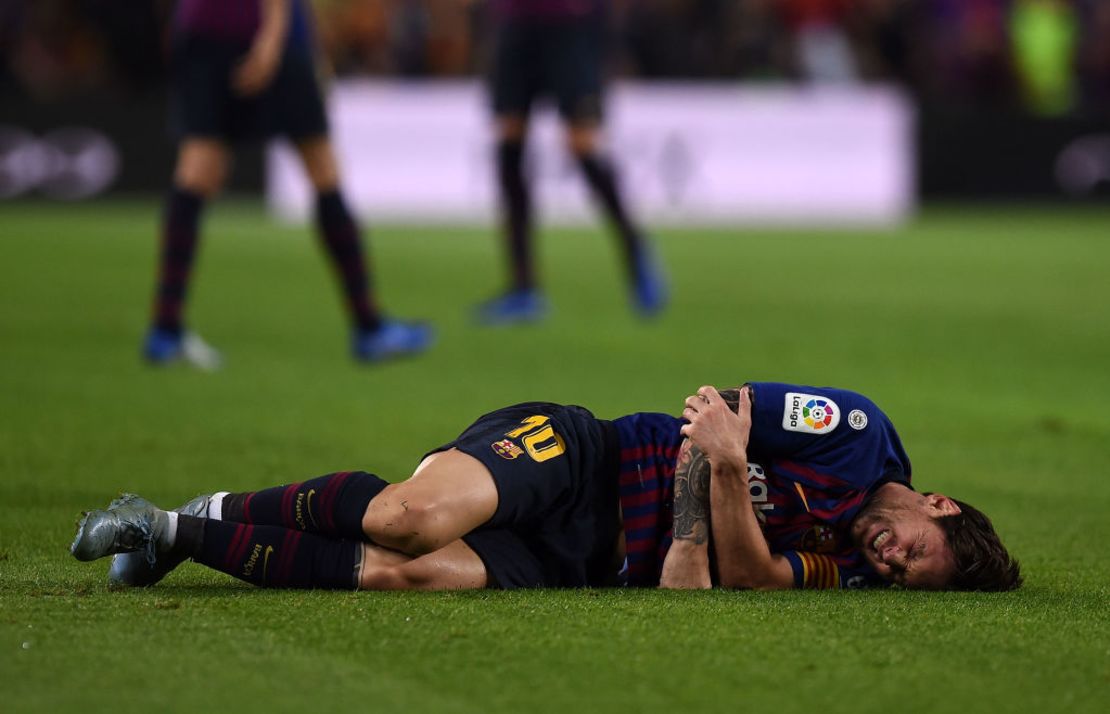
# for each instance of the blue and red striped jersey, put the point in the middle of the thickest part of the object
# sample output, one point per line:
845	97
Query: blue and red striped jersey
648	452
236	20
814	456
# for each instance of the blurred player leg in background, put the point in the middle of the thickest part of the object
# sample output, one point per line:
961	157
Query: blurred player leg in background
645	275
201	168
243	75
523	301
556	49
374	337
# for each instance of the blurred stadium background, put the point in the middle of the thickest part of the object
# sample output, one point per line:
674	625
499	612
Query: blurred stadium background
936	170
1008	97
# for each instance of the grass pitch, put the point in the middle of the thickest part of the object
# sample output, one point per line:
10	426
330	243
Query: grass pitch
984	334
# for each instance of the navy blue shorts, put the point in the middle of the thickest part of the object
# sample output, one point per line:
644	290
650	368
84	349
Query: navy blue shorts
203	103
564	61
555	470
509	559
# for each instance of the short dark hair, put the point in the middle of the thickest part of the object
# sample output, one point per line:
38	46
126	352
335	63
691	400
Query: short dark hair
982	562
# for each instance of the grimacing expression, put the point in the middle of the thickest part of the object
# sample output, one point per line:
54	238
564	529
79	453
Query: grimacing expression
905	544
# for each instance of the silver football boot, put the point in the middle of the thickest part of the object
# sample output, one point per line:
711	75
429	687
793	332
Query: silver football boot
136	571
130	524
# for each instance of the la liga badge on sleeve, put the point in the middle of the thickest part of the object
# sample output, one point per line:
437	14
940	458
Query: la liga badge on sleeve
810	413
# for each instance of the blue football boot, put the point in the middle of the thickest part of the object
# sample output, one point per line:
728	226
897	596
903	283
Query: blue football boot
516	306
392	339
163	347
650	293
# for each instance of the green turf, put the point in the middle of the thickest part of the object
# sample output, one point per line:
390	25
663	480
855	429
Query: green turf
984	334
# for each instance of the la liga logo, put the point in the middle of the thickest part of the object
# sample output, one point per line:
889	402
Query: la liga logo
818	414
810	413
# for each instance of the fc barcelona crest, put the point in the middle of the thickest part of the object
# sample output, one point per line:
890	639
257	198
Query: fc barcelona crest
507	449
819	539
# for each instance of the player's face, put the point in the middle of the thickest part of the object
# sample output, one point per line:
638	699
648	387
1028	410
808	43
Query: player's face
904	543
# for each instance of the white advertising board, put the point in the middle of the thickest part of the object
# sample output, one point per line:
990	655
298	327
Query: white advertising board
723	154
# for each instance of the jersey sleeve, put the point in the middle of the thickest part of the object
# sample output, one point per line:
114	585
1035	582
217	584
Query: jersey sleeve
842	433
814	571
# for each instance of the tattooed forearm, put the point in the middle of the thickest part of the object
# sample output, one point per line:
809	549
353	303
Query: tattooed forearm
691	495
691	485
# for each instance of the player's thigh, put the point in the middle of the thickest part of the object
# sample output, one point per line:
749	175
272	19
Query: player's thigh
319	161
454	567
575	68
511	128
293	107
515	76
203	107
449	495
202	164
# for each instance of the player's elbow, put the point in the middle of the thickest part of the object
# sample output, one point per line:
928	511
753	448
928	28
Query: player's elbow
737	582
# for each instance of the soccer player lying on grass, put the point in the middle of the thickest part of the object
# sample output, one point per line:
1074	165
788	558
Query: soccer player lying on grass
807	487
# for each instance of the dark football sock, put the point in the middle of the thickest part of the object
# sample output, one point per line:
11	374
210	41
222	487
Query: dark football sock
341	239
180	224
332	505
517	207
269	556
602	178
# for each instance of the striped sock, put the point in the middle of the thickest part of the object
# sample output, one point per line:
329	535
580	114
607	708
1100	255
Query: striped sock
179	241
332	505
273	557
343	243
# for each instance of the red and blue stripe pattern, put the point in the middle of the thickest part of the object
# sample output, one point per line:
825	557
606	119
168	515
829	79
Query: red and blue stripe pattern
236	550
649	446
807	514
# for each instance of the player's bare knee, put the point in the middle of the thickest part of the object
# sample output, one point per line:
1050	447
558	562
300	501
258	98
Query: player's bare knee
320	163
202	179
393	521
582	141
414	530
512	128
202	165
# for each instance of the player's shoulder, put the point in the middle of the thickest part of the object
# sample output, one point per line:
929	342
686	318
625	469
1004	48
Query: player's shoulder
649	428
819	410
838	432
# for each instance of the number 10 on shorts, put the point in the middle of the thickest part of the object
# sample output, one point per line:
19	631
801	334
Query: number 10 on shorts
539	438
